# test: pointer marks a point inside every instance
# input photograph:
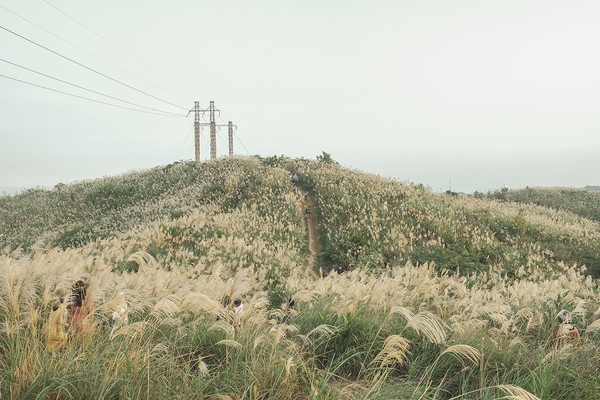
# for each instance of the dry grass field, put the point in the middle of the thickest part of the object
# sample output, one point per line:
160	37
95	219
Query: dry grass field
442	297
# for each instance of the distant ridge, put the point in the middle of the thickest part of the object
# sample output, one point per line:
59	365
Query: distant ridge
13	190
4	190
584	202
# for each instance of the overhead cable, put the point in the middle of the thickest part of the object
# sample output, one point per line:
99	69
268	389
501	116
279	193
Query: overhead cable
90	90
63	39
112	43
91	69
243	145
88	99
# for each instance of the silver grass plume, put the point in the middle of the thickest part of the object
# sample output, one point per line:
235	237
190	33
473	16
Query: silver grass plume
395	352
464	353
516	393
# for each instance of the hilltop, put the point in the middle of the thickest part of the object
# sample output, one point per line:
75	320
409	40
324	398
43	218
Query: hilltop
439	296
366	221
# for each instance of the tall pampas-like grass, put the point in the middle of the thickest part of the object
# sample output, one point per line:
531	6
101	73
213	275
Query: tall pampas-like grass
395	352
425	323
516	393
464	353
203	237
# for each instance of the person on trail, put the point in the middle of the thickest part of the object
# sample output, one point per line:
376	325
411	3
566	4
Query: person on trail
564	331
305	196
80	308
56	329
307	213
294	179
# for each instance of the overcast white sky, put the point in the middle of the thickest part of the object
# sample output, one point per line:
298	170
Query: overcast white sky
472	94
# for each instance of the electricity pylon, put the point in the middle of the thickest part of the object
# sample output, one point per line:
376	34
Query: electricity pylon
213	129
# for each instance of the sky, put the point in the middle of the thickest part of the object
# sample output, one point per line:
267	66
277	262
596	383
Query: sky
461	95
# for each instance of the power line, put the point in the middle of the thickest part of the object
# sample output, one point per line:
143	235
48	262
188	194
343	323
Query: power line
91	69
221	136
185	140
87	98
111	43
64	40
78	47
89	90
93	31
243	145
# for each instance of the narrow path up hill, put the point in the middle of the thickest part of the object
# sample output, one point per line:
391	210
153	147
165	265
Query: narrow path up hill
310	226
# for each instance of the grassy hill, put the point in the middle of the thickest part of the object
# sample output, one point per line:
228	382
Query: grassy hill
366	221
444	297
180	214
370	222
583	202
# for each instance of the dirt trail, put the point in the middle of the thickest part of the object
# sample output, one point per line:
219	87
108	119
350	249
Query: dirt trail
312	232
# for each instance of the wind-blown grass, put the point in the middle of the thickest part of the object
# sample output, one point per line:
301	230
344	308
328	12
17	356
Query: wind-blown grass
380	330
370	222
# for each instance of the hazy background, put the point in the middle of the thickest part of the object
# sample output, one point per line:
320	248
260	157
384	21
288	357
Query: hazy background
467	95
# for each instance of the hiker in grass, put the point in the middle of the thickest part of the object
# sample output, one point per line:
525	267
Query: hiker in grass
564	332
305	196
56	328
80	308
238	309
232	311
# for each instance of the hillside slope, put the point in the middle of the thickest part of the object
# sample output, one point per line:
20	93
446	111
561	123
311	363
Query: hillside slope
365	221
583	202
234	212
370	222
172	242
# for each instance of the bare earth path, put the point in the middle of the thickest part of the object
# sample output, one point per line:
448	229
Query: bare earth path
311	228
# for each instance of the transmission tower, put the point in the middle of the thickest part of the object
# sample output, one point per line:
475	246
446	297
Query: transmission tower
213	129
231	127
197	130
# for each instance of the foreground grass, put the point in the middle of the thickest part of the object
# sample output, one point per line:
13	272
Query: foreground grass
414	333
444	298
